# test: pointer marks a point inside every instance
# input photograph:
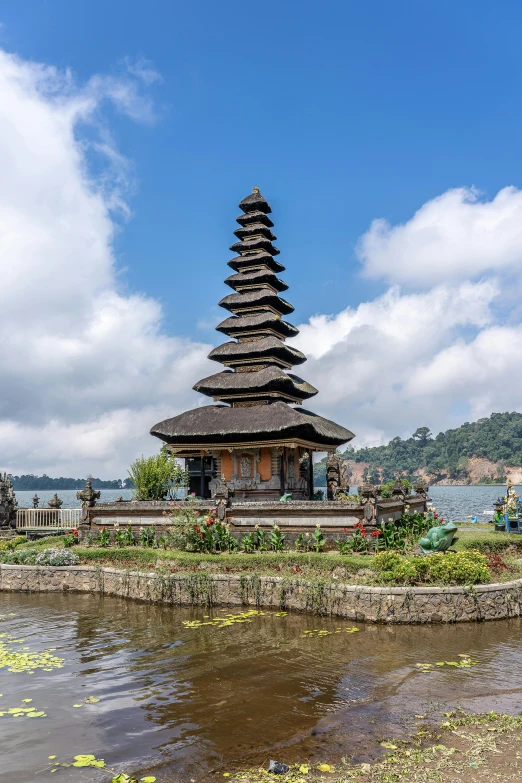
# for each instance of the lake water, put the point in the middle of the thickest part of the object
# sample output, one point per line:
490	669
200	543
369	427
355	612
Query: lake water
184	703
452	502
25	498
457	503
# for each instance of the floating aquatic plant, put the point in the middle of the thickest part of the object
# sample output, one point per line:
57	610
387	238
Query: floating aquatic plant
23	712
316	632
464	663
226	620
22	660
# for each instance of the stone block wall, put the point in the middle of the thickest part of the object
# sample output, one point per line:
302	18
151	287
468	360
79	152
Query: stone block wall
351	602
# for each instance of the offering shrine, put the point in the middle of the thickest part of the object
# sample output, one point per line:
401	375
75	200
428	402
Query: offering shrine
257	442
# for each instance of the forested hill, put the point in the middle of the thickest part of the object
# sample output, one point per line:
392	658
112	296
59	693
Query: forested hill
449	455
30	482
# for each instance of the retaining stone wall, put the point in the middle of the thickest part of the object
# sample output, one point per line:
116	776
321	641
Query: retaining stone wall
352	602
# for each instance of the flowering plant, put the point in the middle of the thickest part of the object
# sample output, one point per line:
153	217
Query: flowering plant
104	537
57	557
71	537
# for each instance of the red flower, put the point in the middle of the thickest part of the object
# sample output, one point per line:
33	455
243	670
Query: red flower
364	533
201	535
376	533
197	528
104	528
345	529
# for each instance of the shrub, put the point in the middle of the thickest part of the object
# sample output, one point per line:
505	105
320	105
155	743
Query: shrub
459	568
490	542
12	543
386	489
71	537
154	477
497	564
357	542
20	556
392	567
57	557
454	568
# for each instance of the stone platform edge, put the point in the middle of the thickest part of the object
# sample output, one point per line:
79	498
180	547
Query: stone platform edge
404	605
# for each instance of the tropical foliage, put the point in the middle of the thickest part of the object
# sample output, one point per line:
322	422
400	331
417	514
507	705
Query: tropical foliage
497	438
156	477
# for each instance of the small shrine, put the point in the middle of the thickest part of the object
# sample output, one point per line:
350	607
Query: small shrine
511	509
8	503
256	441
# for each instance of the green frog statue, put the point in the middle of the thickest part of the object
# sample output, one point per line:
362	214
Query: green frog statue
439	539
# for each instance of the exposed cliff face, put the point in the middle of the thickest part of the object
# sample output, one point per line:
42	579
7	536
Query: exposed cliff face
474	471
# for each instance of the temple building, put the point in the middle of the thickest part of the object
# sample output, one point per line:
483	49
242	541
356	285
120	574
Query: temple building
256	440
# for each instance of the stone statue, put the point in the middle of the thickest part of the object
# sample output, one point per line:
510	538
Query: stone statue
286	497
439	538
333	475
55	502
89	496
8	503
36	500
421	487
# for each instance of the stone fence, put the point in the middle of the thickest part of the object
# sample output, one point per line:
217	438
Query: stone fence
292	516
351	602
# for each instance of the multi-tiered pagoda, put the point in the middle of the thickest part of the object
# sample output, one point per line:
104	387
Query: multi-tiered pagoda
254	440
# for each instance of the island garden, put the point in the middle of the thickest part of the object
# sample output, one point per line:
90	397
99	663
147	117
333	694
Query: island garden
251	539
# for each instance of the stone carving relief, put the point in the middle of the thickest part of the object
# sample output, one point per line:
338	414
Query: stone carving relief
245	466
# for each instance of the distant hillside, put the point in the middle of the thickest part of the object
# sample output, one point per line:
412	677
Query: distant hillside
486	451
30	482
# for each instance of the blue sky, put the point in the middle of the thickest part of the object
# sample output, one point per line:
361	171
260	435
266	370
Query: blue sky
160	117
340	111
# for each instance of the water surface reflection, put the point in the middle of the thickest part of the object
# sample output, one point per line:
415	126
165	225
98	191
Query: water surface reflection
182	702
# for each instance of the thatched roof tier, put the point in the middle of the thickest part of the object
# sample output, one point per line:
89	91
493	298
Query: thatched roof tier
256	383
260	243
257	350
255	202
249	279
261	324
256	260
254	217
260	297
253	229
277	423
270	382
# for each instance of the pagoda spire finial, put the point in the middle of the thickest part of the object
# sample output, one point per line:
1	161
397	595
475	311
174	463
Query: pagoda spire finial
256	191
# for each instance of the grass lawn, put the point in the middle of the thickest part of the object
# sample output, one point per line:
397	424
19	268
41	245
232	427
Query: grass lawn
504	551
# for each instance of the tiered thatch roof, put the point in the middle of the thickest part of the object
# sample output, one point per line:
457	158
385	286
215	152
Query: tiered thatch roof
256	382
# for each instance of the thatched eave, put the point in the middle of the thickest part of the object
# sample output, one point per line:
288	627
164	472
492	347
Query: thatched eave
220	425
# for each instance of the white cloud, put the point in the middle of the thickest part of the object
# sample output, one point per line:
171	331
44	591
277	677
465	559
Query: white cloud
85	370
456	236
362	359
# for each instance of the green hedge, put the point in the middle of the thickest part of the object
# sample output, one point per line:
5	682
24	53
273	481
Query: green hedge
490	541
269	561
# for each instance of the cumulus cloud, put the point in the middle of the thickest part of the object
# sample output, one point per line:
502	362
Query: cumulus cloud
363	358
456	236
438	355
85	370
